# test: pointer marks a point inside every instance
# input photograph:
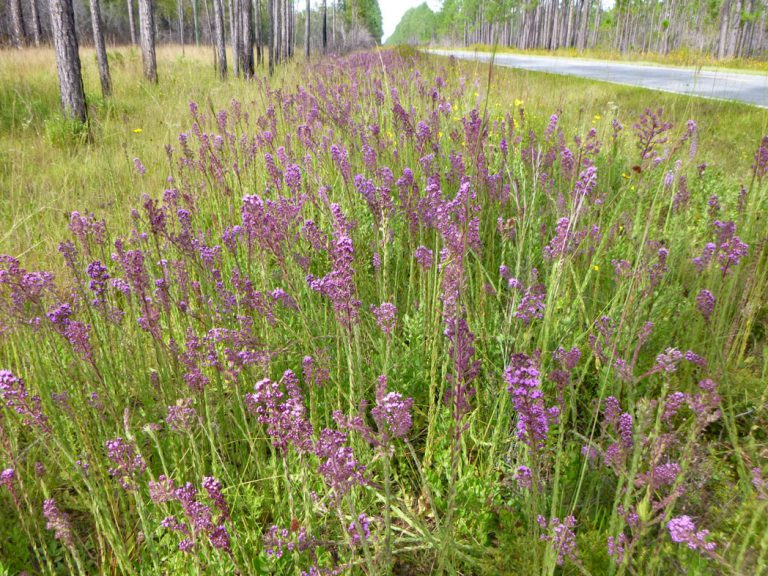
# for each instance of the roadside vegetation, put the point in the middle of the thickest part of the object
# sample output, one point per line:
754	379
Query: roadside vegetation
380	314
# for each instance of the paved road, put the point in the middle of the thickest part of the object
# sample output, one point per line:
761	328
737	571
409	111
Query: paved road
725	85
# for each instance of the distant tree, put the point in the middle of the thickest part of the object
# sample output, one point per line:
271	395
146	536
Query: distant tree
306	32
147	37
417	26
101	49
17	18
131	23
221	48
68	60
246	38
325	26
36	32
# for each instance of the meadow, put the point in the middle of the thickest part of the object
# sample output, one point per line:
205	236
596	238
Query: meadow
380	314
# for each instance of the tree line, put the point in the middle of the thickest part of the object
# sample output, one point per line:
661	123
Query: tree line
720	28
257	33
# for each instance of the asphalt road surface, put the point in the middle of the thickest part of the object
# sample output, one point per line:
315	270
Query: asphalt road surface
723	85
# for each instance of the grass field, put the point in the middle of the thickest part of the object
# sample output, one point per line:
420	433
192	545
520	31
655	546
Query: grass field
380	314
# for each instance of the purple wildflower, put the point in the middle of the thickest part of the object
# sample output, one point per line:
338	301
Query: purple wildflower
355	537
182	416
760	167
386	317
424	257
392	412
560	535
705	303
524	384
14	394
682	530
339	467
128	463
58	521
524	477
214	489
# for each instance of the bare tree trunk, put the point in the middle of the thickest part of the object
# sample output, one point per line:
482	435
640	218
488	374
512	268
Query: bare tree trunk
734	32
131	23
586	5
278	30
285	33
221	47
246	38
722	45
194	21
596	30
36	34
306	33
333	28
101	49
17	16
325	26
235	36
180	15
257	30
271	35
147	38
68	59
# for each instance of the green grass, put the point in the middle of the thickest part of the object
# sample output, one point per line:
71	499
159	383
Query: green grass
45	174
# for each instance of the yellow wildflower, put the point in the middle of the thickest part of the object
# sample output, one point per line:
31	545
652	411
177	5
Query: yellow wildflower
137	130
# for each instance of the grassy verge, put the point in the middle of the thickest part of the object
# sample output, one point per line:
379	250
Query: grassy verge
681	58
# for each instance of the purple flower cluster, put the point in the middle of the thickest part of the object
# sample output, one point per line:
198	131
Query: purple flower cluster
524	384
682	530
199	517
705	303
357	538
561	537
339	284
128	463
339	467
283	413
386	317
392	412
14	395
59	522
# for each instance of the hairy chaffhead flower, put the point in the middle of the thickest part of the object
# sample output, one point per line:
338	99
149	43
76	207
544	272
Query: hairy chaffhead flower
14	395
128	463
524	384
58	521
283	413
392	412
561	536
705	303
338	465
682	530
386	317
